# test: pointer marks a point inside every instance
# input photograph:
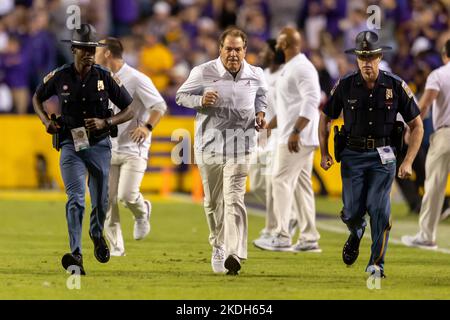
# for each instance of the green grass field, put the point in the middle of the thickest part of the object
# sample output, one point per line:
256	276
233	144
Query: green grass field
174	261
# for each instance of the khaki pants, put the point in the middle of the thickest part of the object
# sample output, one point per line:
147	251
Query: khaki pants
437	167
125	178
292	183
224	187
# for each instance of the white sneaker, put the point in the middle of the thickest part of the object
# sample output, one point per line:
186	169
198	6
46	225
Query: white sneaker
117	253
306	246
417	242
142	225
218	260
264	240
276	244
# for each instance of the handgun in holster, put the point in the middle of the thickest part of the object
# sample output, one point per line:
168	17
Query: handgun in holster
397	139
56	137
339	142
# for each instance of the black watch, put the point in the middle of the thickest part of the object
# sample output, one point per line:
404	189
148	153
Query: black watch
149	127
295	131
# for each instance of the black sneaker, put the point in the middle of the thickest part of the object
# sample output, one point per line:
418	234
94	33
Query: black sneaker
350	251
70	259
233	265
101	250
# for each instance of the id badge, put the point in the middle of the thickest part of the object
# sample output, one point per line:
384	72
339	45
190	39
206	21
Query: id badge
80	139
386	154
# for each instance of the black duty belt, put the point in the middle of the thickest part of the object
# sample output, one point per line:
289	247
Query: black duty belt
366	144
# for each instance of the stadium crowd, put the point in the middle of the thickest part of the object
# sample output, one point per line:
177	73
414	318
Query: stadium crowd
165	39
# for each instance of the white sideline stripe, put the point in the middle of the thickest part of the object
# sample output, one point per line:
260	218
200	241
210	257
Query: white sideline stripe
343	230
321	225
391	240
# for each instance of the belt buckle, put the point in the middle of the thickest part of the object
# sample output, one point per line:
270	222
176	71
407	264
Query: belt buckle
370	143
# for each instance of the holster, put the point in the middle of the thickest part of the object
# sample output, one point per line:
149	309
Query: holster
339	142
56	137
397	138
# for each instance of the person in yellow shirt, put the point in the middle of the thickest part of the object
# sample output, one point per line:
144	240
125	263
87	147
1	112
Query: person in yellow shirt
156	61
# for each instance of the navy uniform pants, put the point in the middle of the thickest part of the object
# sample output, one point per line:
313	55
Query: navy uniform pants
366	188
95	161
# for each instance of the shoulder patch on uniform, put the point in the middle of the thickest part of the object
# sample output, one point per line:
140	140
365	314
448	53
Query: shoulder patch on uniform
51	74
334	88
407	89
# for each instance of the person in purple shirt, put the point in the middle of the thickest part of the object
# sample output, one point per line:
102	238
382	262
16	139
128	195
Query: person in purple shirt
124	14
43	48
17	70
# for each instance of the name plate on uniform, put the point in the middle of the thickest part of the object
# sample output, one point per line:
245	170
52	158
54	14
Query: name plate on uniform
80	138
386	154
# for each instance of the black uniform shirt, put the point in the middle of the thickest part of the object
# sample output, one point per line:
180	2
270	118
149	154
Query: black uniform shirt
371	113
83	98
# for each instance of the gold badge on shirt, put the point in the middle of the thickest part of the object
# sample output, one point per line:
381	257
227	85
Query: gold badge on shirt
100	85
389	94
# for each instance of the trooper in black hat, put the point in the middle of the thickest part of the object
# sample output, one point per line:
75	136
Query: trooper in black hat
370	100
84	41
367	44
84	90
368	53
85	36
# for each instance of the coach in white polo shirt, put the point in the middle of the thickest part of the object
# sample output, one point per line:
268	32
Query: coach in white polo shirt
437	165
130	148
230	97
297	105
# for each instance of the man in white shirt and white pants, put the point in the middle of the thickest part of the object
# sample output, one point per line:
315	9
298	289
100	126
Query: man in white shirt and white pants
230	97
437	165
261	167
297	119
130	147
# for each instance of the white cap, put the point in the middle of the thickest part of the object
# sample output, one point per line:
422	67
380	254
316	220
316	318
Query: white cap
421	44
6	6
161	7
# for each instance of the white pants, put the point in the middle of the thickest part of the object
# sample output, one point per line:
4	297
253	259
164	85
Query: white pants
437	167
224	187
261	181
125	178
292	183
259	170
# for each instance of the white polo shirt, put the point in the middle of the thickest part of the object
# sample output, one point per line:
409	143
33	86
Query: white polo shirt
145	97
439	80
298	94
271	79
228	127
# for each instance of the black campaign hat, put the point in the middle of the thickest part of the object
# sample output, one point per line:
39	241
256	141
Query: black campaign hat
367	44
85	36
